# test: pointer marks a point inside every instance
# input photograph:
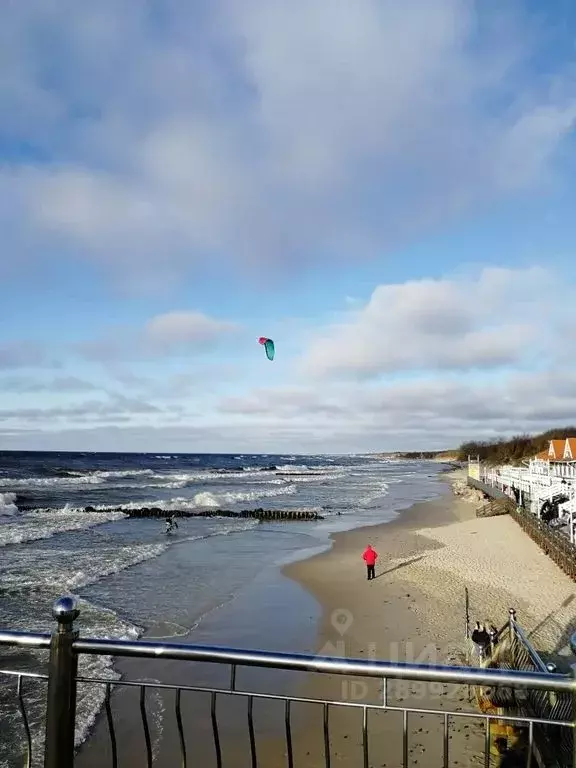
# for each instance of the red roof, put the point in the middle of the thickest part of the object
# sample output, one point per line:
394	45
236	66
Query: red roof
559	450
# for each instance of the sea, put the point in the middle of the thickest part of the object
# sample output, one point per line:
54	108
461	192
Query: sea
64	530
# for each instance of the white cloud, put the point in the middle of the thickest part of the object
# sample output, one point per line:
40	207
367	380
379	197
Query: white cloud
114	408
427	414
465	356
25	354
31	384
264	131
184	327
163	335
499	318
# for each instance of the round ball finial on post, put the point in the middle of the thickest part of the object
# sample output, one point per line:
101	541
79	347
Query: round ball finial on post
65	612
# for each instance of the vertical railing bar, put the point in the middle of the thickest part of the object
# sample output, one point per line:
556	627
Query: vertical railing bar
178	712
446	741
111	731
405	738
487	743
385	693
215	732
253	757
233	677
145	726
530	744
365	736
22	708
326	737
288	735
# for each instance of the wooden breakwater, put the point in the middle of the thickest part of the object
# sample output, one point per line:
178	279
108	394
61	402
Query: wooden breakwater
255	514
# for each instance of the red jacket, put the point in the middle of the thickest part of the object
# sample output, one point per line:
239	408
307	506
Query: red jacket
370	556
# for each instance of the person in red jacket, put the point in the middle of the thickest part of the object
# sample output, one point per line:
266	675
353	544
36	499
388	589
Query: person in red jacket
370	556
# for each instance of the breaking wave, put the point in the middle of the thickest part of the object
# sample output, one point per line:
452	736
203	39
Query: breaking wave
7	505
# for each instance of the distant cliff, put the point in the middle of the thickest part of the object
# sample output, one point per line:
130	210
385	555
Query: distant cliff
435	455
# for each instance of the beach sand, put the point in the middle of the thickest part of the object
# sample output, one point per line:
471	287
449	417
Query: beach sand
415	611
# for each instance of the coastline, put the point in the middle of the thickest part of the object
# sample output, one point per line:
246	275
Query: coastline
290	615
439	547
415	611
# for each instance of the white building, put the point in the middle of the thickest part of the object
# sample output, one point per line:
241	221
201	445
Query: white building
543	478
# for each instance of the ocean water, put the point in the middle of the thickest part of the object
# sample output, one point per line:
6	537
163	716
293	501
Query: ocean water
215	580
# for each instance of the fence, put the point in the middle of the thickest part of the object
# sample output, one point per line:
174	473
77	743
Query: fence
553	543
66	646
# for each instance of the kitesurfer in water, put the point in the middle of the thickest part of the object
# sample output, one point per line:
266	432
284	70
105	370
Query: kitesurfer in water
171	524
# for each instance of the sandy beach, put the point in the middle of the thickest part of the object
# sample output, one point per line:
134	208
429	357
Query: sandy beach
415	611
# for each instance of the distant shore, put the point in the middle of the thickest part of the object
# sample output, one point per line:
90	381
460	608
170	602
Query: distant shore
415	610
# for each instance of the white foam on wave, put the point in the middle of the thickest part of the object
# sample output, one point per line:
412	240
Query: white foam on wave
303	469
44	523
293	468
377	491
43	568
215	500
98	623
107	474
8	507
316	478
148	477
203	500
96	477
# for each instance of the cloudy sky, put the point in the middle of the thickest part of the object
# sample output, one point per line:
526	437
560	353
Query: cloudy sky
387	189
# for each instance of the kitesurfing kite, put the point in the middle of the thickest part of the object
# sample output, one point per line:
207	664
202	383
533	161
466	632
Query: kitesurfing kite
268	345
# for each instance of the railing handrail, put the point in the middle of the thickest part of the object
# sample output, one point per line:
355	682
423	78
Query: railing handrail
304	662
24	639
66	646
530	650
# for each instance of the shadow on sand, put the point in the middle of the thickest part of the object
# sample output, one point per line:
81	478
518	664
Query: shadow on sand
397	567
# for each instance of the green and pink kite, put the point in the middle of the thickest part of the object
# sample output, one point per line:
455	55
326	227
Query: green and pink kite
268	345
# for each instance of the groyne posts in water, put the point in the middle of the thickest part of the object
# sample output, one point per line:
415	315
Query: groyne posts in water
256	514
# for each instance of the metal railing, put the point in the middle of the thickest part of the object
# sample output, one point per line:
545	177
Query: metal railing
514	651
65	647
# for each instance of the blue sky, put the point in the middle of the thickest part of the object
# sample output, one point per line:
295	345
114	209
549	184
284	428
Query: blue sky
385	189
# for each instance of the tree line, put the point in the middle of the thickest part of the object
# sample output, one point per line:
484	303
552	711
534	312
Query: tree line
512	450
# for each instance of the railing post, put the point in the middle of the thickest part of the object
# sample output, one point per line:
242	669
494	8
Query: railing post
512	635
61	702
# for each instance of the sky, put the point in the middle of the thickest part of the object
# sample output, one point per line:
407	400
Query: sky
385	189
